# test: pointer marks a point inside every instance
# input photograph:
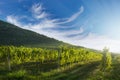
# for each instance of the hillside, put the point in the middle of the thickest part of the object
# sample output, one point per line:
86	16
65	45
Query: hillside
13	35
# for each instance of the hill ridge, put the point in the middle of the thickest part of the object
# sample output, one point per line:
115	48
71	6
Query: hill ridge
14	35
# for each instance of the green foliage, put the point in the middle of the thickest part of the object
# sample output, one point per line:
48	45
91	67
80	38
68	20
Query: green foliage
41	60
106	60
17	75
20	55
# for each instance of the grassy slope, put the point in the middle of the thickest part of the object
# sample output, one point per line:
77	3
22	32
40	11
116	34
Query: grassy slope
13	35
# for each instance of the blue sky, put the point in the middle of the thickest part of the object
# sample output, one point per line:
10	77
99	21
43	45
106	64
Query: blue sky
89	23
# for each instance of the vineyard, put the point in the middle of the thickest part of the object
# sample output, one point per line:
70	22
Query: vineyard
63	63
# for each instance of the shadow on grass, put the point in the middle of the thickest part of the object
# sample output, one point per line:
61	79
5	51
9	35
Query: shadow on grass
3	70
35	68
115	73
79	72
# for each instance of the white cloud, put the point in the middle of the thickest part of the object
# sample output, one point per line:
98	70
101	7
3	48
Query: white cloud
14	20
74	16
46	23
38	11
71	32
97	42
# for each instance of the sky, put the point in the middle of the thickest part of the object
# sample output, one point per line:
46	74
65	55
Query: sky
90	23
